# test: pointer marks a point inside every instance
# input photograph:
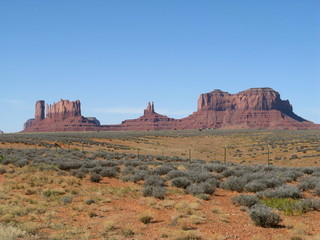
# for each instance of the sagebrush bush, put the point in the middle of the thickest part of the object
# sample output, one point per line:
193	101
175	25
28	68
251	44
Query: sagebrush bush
311	204
21	162
284	191
110	172
180	182
163	170
255	186
140	175
2	170
90	201
234	184
201	188
245	200
95	177
308	183
317	190
66	165
79	173
228	173
273	182
154	180
108	163
290	175
198	177
316	173
154	191
66	199
176	173
264	216
195	189
216	167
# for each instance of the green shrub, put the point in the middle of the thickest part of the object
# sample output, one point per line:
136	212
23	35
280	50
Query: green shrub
291	206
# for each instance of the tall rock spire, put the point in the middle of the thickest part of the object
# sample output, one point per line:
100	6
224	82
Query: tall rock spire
149	109
39	110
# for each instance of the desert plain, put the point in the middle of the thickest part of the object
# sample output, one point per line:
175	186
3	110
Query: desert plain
177	184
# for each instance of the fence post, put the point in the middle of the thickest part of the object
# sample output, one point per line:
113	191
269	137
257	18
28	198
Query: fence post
138	153
162	153
268	154
225	154
190	153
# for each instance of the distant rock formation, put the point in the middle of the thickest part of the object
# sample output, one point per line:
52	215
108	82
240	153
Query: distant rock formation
40	106
1	132
64	115
252	99
255	108
149	109
28	123
63	109
149	121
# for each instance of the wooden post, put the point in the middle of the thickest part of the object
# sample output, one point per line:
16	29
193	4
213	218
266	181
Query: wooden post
190	153
268	154
162	152
138	153
225	154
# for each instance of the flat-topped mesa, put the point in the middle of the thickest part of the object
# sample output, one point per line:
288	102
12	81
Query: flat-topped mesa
149	109
63	109
251	99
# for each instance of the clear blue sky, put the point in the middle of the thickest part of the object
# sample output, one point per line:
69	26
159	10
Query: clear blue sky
115	56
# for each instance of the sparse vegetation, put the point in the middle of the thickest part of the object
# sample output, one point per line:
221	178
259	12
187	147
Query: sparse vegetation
44	187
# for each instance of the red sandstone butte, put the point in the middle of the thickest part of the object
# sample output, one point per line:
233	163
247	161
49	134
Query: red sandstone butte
255	108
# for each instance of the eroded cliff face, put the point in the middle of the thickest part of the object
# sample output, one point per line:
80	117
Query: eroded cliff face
63	109
251	99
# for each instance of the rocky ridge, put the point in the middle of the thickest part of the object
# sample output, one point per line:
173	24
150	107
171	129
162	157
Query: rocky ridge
256	108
